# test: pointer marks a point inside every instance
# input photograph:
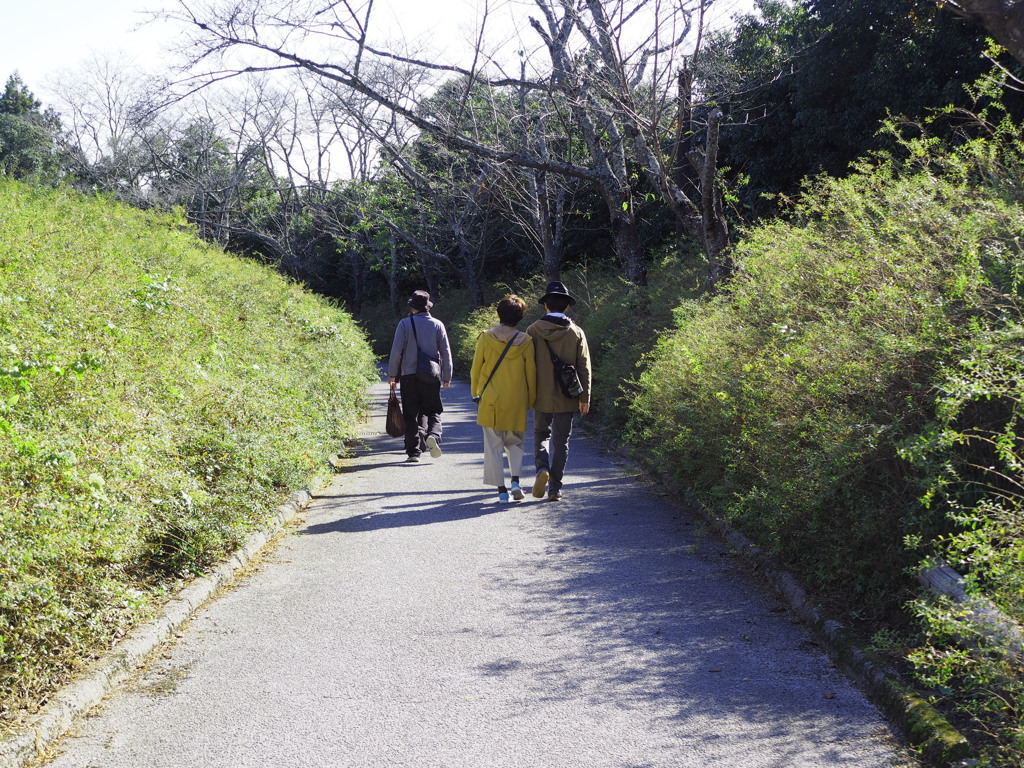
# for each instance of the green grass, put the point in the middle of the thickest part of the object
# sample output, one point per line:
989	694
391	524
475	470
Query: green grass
158	398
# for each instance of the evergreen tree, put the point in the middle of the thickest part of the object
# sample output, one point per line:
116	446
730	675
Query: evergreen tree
28	136
806	85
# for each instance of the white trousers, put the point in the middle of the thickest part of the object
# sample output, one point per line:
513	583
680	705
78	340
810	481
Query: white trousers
496	444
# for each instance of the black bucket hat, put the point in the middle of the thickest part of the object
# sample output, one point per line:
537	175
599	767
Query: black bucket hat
556	289
421	300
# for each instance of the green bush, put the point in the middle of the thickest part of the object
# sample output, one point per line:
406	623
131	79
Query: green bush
782	401
623	322
972	458
158	398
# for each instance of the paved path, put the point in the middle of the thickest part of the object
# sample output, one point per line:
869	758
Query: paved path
411	620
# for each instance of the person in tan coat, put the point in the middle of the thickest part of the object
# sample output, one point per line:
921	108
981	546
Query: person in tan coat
504	384
556	334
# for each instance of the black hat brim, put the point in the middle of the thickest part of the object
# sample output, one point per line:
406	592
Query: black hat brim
546	296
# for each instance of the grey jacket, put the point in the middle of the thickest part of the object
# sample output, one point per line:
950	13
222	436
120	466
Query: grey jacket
433	339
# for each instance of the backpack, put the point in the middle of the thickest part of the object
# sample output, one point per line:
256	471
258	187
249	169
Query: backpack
565	374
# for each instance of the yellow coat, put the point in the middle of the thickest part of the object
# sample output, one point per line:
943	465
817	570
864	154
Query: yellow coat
513	389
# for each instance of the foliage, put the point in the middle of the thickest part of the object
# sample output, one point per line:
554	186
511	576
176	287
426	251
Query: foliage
28	145
969	457
623	323
973	462
805	85
157	400
781	402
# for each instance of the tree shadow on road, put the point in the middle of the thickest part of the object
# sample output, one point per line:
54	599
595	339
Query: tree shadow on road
622	597
664	620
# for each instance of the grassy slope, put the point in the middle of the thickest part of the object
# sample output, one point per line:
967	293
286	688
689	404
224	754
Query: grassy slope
157	398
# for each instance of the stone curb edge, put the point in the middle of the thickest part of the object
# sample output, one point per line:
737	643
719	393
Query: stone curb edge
30	741
923	725
940	743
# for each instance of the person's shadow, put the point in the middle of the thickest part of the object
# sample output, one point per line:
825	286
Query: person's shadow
454	508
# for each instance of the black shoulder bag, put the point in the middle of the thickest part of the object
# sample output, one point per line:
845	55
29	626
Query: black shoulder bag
565	374
500	358
428	369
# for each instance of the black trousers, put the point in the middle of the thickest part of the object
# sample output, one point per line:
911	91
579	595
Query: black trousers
422	408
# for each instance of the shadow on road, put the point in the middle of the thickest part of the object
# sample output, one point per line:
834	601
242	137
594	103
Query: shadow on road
634	603
475	505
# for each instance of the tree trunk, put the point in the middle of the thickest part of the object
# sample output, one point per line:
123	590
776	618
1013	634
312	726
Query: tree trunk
552	262
549	228
358	268
1004	20
682	143
433	281
715	229
392	276
628	247
476	289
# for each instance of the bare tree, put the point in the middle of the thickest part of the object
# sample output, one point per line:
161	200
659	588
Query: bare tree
107	110
635	78
332	40
538	202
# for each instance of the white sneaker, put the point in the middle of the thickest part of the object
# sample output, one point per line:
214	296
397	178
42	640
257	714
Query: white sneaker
435	449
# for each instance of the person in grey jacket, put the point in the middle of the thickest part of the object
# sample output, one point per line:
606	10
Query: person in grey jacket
421	400
557	334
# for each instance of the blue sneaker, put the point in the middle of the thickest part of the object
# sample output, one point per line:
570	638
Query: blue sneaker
503	496
517	492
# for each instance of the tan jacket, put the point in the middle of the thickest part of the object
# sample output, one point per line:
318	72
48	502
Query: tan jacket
568	341
510	395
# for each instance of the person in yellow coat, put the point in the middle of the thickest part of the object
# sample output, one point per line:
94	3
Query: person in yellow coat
505	391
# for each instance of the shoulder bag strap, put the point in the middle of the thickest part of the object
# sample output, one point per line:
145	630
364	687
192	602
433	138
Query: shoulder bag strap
414	336
502	357
554	358
417	339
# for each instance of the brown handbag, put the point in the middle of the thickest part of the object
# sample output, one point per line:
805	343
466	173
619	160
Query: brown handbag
395	423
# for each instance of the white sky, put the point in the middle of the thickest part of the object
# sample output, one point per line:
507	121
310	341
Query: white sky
41	38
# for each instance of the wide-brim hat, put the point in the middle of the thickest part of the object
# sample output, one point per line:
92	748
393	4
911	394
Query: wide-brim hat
420	300
556	289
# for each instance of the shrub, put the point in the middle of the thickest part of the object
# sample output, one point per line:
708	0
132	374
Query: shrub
782	401
972	460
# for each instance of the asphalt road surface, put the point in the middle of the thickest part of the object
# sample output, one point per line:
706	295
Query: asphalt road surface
412	620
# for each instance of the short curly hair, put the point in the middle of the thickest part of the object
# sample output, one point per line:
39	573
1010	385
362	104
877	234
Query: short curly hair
511	310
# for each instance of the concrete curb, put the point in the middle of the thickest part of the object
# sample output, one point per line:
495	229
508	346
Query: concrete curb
924	727
31	740
941	744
